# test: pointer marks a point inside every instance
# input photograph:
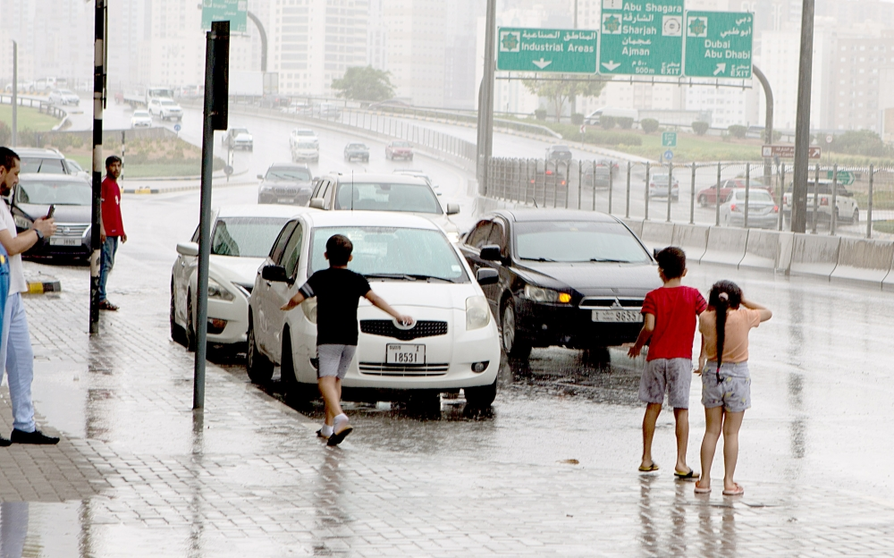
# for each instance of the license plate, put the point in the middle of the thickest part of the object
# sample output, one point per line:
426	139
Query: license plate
284	200
617	316
61	241
404	354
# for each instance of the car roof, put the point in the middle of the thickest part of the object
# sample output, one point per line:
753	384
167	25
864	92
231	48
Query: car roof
48	177
288	166
266	210
296	130
37	152
367	178
534	215
368	219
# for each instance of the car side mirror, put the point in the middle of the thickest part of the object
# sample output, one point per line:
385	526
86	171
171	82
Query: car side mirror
491	253
452	208
274	273
316	203
188	249
487	276
261	177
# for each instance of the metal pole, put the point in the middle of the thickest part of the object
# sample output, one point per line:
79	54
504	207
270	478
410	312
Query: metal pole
815	200
747	191
779	190
611	184
486	96
627	209
768	126
717	198
15	93
833	216
648	169
99	102
802	122
692	197
869	209
670	185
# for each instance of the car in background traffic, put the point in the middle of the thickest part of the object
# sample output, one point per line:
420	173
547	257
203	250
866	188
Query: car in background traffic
238	138
558	153
141	119
763	212
658	186
72	197
846	207
708	196
356	150
418	173
452	344
567	278
63	97
241	238
289	183
166	109
399	150
302	135
77	170
598	173
40	160
383	192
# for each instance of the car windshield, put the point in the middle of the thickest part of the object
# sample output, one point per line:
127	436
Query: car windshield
660	178
304	133
577	241
245	237
74	164
358	146
168	103
278	174
400	144
141	114
394	252
754	196
40	164
239	131
382	196
58	192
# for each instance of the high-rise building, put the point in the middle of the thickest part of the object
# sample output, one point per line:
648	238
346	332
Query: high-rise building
416	48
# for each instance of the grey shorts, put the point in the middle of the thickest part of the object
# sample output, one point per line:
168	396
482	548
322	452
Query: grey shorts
334	360
733	391
670	375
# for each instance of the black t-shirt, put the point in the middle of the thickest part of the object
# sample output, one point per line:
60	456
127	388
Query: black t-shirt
338	291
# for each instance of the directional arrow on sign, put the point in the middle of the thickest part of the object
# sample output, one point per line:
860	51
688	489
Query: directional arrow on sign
542	63
720	68
610	65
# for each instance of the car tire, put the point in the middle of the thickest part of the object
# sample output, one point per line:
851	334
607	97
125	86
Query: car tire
855	218
481	397
295	393
259	367
190	327
596	356
513	346
178	335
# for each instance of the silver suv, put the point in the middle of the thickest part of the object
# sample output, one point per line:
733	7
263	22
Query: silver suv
34	159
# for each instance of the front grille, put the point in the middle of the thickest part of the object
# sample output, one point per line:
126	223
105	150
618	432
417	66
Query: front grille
71	230
608	302
415	370
285	190
386	328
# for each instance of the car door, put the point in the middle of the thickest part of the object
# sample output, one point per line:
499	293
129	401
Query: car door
477	238
279	292
181	273
263	291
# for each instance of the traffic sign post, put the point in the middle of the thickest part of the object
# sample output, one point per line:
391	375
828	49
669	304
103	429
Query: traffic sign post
845	178
641	38
718	44
669	139
233	11
546	50
668	155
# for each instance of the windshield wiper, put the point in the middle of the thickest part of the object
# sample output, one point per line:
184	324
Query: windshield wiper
426	277
405	277
608	260
538	259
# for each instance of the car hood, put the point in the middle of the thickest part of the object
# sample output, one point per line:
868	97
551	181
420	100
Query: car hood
243	137
233	269
64	213
401	149
436	294
592	278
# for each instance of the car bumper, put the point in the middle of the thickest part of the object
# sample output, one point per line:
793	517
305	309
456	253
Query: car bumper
352	156
544	325
401	155
141	124
758	221
293	198
243	145
235	315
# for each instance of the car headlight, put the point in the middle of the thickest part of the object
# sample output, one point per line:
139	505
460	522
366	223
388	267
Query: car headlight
539	294
216	290
309	307
477	312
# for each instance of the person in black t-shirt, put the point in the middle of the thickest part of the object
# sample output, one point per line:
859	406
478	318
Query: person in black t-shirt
338	291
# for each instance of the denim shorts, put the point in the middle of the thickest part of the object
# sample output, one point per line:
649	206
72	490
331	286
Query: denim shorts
732	391
671	375
334	360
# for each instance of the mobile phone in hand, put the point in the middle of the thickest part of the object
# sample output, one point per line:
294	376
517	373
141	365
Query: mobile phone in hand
51	211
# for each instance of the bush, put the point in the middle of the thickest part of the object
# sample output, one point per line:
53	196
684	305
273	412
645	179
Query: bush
700	128
625	122
777	136
737	131
607	122
5	134
649	125
577	118
613	139
540	114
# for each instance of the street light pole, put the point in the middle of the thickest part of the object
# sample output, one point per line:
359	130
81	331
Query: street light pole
802	121
486	99
15	93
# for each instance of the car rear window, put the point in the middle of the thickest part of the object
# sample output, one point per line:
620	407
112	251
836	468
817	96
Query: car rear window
383	196
58	192
41	164
578	241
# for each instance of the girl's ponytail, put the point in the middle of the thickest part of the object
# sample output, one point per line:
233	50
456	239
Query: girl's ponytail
723	296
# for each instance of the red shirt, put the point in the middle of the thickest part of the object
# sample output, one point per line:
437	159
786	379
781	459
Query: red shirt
675	310
111	208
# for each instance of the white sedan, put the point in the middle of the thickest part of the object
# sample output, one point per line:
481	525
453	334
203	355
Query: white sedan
241	238
141	119
409	262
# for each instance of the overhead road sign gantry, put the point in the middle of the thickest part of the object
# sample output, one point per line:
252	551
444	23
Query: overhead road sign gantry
546	50
718	44
234	11
641	37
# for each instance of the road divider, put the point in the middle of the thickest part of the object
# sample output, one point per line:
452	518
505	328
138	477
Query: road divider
764	250
725	246
814	255
657	234
693	239
860	259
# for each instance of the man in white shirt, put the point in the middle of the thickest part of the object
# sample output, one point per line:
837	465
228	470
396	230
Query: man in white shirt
15	348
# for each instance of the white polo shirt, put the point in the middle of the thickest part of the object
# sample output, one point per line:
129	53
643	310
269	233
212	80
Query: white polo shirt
17	283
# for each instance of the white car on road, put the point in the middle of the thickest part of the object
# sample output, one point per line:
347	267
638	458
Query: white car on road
141	119
241	238
166	109
408	261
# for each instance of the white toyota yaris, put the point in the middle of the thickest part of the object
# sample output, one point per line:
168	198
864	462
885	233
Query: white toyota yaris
409	262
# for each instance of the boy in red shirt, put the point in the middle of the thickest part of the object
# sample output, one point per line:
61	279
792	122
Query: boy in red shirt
669	320
111	227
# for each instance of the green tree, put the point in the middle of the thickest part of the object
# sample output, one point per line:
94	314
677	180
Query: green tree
737	131
700	128
563	89
364	84
648	125
861	142
607	122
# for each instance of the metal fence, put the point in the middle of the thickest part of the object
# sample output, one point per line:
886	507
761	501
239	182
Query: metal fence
847	202
42	105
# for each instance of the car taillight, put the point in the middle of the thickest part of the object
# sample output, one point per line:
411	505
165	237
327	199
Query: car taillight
732	207
549	172
824	201
775	209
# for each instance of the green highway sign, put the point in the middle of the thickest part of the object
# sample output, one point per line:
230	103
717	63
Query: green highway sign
718	44
546	50
641	38
845	178
669	139
233	11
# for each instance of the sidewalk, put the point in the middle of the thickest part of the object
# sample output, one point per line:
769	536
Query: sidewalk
138	473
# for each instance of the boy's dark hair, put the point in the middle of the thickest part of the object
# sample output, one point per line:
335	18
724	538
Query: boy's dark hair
724	295
672	261
8	158
112	159
339	248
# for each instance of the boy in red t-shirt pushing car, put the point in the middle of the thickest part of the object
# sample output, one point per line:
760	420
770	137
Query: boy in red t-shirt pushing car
669	320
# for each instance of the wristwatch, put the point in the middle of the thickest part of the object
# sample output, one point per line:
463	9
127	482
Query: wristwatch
39	234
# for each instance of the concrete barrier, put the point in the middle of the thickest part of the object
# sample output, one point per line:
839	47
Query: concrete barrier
657	234
635	225
693	239
863	260
725	246
762	250
814	254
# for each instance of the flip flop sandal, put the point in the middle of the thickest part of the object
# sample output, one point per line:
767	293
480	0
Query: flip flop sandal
685	476
648	468
738	491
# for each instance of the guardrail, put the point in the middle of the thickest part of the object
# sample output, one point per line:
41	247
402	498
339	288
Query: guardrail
42	105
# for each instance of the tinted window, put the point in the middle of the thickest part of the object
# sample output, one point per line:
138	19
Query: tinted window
478	237
577	241
280	245
247	237
42	164
289	174
412	198
292	254
58	192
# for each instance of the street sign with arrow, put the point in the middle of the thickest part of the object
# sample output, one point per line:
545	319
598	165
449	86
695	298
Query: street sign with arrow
546	50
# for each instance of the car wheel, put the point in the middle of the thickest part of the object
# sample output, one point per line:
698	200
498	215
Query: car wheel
190	327
855	218
295	393
177	333
481	396
514	347
259	368
597	356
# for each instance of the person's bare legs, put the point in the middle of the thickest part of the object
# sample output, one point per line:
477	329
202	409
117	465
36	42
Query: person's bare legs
681	416
731	424
649	420
330	389
713	426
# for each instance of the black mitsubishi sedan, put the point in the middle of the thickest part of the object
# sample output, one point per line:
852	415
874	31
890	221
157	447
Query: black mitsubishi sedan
567	278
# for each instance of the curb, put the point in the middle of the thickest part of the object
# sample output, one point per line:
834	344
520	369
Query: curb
51	285
150	190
